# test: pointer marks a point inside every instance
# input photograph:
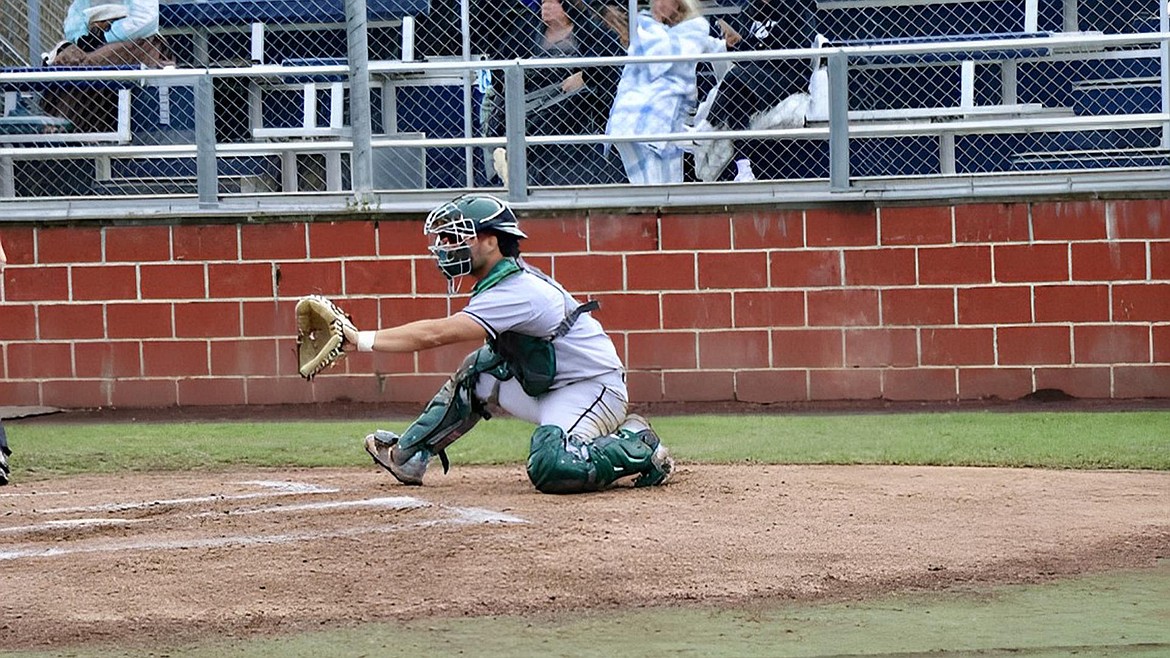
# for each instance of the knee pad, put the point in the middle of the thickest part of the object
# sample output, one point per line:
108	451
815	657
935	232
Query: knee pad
620	454
561	464
557	465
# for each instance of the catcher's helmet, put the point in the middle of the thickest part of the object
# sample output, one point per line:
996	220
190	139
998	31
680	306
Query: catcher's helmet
455	222
471	214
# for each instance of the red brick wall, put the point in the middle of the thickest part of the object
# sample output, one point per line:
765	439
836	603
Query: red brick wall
901	303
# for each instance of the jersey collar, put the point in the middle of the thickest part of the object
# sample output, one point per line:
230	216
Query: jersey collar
502	270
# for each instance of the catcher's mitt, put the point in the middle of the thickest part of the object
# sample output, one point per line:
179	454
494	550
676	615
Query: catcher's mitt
320	338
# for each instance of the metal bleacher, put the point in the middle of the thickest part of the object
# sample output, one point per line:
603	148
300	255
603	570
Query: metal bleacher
250	110
965	100
310	109
933	89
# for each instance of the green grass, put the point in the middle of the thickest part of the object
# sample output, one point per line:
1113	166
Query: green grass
1120	614
1096	617
1137	440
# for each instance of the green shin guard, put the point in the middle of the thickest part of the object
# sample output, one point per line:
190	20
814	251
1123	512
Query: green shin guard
446	417
558	464
552	468
620	454
452	412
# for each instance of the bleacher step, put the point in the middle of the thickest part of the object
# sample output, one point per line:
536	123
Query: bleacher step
180	185
1091	159
1117	96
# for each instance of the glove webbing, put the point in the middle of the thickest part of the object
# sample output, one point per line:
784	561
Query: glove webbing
332	355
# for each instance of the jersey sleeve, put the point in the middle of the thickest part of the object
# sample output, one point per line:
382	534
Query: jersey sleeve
497	311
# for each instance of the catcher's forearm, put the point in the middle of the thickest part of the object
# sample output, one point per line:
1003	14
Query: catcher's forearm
427	334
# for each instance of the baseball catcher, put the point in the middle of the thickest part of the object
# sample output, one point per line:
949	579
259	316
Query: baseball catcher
320	334
545	359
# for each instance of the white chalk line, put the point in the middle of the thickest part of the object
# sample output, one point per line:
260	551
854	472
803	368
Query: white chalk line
21	494
276	489
398	502
479	515
392	502
70	523
463	516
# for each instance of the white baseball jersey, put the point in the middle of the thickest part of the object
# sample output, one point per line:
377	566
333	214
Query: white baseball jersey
532	304
588	396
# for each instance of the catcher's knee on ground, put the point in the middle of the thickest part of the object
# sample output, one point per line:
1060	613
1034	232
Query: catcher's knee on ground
563	464
449	415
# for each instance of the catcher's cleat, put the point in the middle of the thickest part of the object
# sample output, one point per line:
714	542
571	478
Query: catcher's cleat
381	446
662	464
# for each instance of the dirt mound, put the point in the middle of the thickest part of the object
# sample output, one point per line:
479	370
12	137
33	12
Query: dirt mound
168	557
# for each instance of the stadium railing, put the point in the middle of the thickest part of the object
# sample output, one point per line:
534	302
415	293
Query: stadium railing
1088	108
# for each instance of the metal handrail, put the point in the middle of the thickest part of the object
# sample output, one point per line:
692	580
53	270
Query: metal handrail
1066	44
1084	42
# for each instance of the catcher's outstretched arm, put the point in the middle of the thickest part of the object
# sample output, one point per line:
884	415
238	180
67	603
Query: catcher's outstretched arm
420	334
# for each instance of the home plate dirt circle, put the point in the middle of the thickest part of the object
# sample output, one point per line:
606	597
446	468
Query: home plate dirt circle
163	524
172	557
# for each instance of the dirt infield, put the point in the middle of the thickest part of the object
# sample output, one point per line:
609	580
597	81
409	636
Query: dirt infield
175	557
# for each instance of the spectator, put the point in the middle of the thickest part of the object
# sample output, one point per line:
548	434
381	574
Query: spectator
104	43
130	36
139	22
563	101
657	97
757	85
101	19
615	16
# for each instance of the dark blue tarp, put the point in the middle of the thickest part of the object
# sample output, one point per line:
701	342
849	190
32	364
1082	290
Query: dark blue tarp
189	13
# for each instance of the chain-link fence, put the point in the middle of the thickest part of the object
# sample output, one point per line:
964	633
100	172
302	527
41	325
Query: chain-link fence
216	97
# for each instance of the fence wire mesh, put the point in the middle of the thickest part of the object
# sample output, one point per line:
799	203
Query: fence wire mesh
283	110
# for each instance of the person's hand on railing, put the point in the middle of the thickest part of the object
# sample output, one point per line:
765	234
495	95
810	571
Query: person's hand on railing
573	82
729	34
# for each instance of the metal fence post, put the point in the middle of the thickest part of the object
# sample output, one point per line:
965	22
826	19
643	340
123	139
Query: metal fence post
468	99
358	50
515	126
1164	49
838	122
34	32
206	166
632	23
7	177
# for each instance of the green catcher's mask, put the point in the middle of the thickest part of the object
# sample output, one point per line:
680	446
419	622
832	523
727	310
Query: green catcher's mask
453	225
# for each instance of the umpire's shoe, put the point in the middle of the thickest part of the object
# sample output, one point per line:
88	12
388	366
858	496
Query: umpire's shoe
381	446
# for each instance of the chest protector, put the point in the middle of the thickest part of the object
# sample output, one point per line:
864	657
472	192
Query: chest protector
531	359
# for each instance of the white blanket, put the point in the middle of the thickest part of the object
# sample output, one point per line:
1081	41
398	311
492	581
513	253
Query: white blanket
657	97
713	155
